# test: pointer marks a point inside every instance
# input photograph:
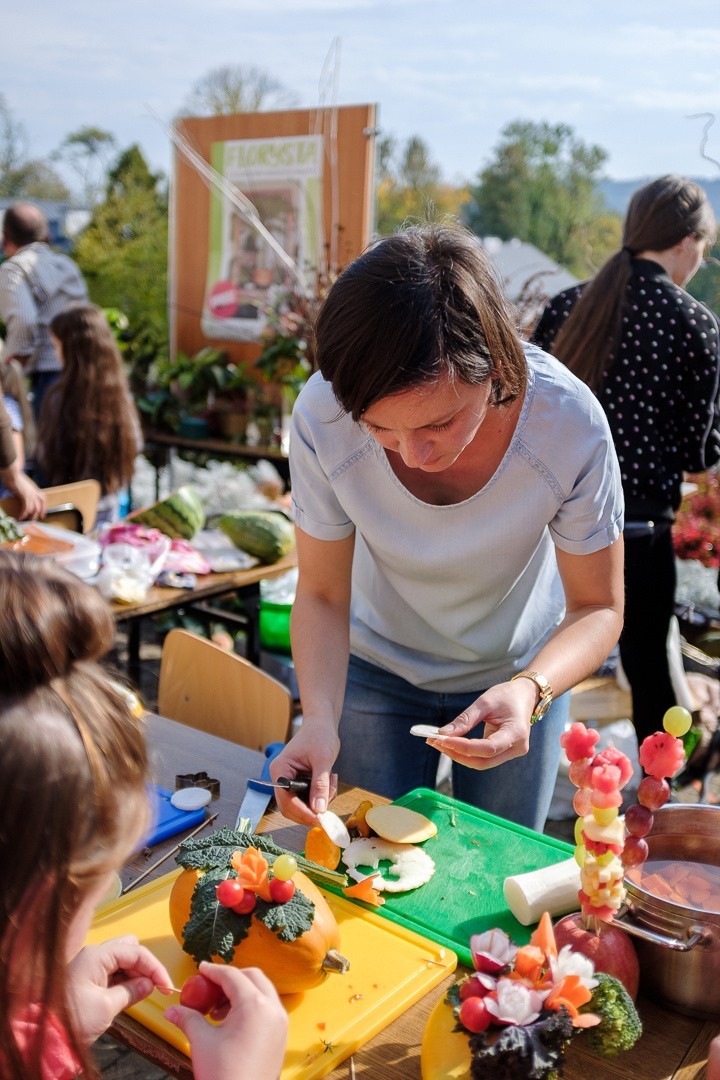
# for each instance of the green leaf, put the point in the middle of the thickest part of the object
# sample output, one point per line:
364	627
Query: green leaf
215	852
212	930
289	921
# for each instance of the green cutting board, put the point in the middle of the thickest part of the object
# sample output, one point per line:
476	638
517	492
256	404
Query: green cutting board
473	852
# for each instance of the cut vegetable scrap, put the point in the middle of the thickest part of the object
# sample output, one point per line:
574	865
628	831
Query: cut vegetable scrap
320	849
410	866
400	825
366	890
357	822
334	827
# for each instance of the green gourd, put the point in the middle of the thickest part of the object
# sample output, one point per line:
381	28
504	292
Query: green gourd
265	534
181	514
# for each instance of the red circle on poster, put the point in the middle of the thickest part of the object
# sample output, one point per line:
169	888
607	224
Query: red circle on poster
223	299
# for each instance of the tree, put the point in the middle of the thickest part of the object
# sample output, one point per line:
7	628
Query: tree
87	151
410	187
20	177
541	188
123	250
236	88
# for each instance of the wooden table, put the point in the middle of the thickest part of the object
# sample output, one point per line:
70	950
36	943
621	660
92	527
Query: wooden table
673	1047
244	582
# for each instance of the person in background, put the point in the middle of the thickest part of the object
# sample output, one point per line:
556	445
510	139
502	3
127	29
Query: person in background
73	805
15	400
12	477
458	513
649	351
35	284
89	428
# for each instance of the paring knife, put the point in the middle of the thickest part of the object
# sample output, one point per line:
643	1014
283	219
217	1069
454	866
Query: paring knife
259	792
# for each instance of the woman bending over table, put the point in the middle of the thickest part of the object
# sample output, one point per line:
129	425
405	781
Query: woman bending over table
73	806
459	515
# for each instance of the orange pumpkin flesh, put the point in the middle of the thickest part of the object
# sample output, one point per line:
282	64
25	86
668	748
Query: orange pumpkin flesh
292	966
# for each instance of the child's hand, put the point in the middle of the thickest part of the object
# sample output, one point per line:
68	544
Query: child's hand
713	1065
254	1031
104	979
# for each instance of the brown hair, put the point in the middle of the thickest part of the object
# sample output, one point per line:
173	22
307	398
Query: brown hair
659	216
410	308
89	426
12	383
73	767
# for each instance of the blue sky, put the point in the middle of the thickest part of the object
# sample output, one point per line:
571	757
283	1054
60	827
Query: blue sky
624	75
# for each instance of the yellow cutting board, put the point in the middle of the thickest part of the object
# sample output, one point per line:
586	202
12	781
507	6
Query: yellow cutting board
390	969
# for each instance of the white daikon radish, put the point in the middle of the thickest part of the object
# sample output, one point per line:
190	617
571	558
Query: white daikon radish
553	889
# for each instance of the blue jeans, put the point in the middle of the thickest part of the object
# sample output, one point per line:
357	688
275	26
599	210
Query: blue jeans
379	754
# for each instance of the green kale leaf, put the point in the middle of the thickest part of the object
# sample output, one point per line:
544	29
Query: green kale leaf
290	920
212	930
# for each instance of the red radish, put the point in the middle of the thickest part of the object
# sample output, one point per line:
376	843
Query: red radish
610	949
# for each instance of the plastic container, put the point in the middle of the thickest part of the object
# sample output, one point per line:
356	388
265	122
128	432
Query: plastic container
276	601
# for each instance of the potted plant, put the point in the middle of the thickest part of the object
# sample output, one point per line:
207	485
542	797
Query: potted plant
230	402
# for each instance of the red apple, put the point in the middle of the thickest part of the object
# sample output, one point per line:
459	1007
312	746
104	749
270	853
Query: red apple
611	949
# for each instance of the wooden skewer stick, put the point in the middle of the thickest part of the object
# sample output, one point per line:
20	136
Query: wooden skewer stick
158	862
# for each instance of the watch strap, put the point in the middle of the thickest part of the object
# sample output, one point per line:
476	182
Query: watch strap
545	693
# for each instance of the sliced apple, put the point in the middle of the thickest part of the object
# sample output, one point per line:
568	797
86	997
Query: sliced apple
400	825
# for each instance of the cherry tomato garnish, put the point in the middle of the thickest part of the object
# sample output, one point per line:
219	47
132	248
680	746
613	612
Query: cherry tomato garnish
229	892
281	891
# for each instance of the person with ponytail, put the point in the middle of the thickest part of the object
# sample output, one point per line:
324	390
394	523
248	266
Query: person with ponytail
649	351
73	806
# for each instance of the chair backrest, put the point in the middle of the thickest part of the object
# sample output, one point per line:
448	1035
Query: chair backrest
206	687
82	497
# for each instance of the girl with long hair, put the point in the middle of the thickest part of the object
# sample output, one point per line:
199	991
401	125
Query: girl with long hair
89	427
73	806
649	351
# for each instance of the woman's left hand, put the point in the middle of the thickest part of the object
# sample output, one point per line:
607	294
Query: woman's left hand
105	979
505	710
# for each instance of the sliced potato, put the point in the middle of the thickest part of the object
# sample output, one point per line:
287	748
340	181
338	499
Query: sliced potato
400	825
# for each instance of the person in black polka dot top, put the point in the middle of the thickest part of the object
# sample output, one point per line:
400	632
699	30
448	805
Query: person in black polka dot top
650	353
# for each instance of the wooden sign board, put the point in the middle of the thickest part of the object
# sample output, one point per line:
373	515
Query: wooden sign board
348	138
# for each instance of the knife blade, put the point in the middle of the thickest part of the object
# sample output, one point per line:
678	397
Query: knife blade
258	794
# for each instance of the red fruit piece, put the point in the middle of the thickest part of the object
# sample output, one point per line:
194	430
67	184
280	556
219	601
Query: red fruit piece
229	892
473	1015
582	801
475	987
638	820
603	799
635	851
579	741
598	847
201	994
612	756
247	904
605	778
579	772
281	891
653	793
661	754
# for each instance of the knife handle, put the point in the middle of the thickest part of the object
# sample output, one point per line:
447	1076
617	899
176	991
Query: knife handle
271	752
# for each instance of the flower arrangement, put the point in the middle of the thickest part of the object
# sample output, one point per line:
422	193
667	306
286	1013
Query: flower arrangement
286	357
523	1005
696	533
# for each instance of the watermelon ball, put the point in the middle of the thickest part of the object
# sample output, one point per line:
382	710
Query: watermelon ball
612	756
677	721
653	792
638	820
661	754
635	851
579	741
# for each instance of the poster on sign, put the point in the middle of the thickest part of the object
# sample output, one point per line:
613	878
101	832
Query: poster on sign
282	178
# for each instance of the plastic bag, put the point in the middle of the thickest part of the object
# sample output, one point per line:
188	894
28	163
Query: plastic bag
128	571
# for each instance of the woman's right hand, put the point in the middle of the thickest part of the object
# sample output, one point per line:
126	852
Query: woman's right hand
251	1038
313	750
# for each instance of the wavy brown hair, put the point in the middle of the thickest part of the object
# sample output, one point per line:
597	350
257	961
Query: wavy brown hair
412	307
659	216
73	768
89	426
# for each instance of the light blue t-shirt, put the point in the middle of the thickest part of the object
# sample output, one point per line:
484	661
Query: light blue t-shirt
456	598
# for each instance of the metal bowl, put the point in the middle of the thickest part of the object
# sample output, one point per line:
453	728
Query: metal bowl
678	945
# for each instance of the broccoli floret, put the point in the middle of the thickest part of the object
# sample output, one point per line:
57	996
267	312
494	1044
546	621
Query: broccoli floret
620	1026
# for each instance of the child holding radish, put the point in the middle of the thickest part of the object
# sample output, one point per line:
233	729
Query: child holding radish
73	771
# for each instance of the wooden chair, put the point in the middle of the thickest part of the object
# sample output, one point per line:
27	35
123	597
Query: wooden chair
69	506
206	687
